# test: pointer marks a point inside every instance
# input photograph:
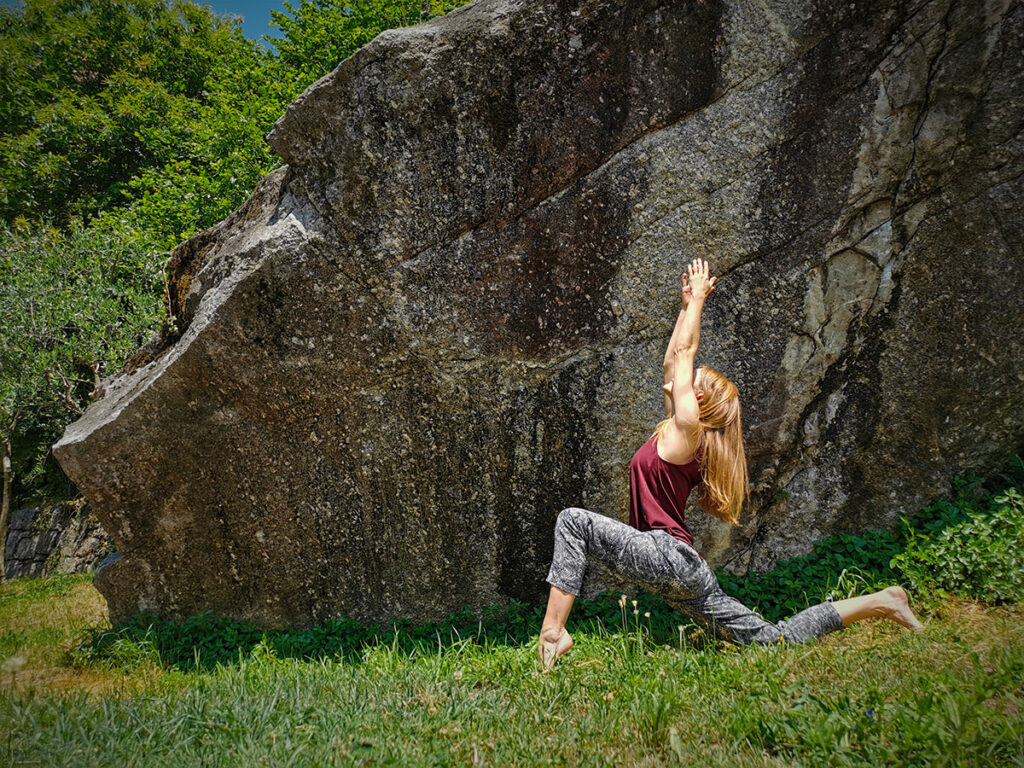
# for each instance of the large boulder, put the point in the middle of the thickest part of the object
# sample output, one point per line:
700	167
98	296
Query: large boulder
443	320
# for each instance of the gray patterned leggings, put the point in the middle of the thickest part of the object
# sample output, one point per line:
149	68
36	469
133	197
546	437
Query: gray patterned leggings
661	563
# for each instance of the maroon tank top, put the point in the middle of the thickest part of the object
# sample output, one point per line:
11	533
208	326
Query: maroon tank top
658	490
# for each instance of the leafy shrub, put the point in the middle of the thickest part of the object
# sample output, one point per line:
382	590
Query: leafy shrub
848	564
976	558
73	306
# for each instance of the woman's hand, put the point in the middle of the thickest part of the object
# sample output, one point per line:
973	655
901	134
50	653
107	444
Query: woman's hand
697	281
686	334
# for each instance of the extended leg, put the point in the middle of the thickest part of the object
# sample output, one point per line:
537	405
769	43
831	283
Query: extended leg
727	618
890	603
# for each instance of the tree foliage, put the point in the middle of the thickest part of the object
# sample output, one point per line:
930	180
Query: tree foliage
73	305
133	109
320	34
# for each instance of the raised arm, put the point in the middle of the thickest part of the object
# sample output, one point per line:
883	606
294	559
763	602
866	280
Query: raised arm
669	364
681	439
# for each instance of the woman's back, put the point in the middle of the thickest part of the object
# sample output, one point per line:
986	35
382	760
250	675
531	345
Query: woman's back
658	491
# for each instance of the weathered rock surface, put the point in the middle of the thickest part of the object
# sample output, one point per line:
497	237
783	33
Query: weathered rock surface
443	320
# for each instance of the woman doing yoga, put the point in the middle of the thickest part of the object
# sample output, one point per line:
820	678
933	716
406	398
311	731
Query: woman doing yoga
700	442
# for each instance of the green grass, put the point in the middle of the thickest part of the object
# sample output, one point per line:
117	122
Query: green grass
873	694
641	687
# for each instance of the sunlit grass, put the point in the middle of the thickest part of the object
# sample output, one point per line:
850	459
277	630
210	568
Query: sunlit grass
41	620
873	694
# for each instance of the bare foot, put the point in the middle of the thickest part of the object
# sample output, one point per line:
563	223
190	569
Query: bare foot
898	609
553	643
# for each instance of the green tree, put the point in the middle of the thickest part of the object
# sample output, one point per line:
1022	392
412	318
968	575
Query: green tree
143	110
73	306
320	34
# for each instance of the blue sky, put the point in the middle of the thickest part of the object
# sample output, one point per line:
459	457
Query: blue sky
255	12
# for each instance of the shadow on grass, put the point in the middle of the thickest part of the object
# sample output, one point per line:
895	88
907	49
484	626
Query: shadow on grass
838	567
201	642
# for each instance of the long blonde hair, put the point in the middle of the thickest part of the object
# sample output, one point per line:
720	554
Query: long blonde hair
725	484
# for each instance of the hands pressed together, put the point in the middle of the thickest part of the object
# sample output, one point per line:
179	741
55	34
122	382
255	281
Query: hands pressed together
697	281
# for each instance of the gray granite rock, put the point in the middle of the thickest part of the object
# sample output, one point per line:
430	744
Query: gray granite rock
443	320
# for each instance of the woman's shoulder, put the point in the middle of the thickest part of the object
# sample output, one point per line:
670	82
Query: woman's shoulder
677	458
675	446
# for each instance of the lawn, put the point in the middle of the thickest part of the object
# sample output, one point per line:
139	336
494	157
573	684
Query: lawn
873	694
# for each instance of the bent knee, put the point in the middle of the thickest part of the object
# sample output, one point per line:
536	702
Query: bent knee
570	516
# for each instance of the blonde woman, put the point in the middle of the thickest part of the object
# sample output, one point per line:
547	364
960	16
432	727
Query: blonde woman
700	443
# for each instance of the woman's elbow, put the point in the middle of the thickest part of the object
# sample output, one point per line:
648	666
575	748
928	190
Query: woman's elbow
685	350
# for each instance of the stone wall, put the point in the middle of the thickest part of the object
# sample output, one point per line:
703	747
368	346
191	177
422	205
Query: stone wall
58	537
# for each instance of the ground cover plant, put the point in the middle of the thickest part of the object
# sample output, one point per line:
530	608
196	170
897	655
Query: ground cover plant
641	687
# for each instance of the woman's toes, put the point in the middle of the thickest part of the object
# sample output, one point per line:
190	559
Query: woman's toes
550	646
546	655
900	609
